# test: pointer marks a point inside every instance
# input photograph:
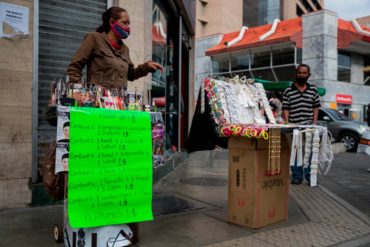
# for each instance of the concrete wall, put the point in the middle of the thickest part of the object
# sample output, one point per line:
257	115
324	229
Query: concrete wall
222	16
321	53
16	116
320	49
320	31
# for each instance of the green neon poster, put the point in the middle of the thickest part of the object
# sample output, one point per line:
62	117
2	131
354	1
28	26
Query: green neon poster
110	167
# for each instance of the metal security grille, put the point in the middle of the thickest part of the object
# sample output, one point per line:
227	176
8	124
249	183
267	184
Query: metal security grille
62	27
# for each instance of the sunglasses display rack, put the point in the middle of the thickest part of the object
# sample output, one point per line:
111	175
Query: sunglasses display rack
239	107
63	93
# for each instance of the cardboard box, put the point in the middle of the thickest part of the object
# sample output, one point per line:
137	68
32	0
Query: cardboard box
256	199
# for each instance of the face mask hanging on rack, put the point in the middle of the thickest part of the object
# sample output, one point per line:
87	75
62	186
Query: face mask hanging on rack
315	158
296	150
317	155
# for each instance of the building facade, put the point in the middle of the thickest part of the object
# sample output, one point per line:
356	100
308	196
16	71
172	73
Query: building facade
337	51
291	9
162	31
233	15
16	74
364	21
261	12
217	16
213	18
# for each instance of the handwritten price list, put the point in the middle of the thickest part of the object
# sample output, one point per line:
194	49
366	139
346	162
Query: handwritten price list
110	167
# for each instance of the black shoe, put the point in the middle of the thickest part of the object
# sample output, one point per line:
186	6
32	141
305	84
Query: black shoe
296	181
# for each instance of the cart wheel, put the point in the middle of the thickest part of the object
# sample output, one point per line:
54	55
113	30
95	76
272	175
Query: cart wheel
58	233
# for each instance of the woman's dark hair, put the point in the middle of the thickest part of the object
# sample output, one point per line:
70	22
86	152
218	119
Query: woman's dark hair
66	124
113	12
66	155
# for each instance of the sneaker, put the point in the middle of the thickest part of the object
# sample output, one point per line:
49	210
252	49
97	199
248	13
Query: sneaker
296	181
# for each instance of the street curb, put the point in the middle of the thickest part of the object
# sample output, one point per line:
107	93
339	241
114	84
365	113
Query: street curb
363	241
346	205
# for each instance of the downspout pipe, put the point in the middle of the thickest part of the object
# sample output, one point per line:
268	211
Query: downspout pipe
240	37
272	30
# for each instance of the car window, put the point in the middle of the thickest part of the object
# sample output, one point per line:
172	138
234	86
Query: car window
337	115
321	115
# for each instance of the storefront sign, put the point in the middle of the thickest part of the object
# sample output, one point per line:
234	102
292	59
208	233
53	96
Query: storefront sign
13	20
110	167
160	101
344	99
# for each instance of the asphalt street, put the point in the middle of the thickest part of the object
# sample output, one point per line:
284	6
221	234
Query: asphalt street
349	179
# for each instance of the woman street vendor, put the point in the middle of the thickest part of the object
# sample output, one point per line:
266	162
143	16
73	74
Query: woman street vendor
107	56
108	60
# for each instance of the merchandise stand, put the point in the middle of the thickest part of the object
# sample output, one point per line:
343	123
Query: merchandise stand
112	235
240	118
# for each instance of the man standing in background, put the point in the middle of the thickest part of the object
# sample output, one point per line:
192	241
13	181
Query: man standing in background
301	103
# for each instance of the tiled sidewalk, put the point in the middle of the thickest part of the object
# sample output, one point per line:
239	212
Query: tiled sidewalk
330	223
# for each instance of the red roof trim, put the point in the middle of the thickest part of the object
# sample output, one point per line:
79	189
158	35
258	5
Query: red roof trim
288	30
245	46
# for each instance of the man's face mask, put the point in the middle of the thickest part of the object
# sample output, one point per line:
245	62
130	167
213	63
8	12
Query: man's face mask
301	80
119	31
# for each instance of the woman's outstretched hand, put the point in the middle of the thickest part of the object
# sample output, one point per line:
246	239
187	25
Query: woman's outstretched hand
154	66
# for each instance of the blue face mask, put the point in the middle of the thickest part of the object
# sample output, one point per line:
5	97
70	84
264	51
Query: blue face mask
120	32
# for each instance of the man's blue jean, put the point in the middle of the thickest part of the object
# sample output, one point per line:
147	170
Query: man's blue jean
298	171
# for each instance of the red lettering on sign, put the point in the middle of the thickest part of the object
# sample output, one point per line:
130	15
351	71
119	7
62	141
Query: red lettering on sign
344	99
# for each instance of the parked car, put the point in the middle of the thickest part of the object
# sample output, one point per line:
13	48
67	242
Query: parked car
342	129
